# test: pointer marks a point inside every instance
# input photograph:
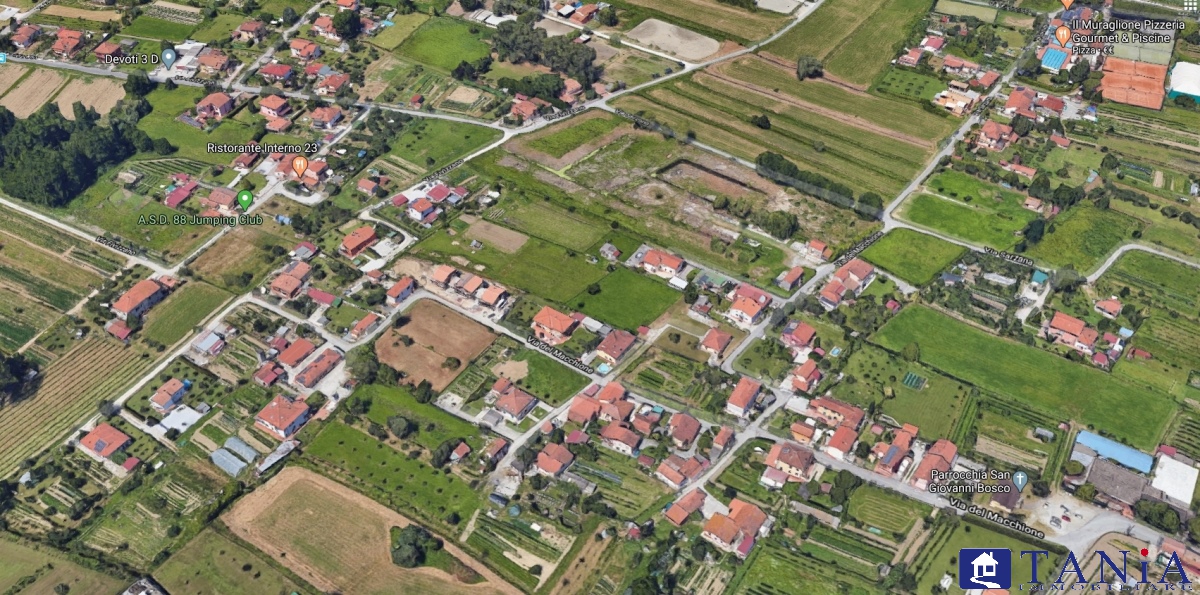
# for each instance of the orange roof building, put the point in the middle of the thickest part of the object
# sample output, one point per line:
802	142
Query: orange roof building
553	326
139	299
715	341
742	399
105	440
358	241
282	417
940	457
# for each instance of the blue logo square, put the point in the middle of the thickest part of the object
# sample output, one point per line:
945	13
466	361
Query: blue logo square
984	568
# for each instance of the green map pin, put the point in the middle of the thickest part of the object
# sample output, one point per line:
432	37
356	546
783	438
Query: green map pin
244	198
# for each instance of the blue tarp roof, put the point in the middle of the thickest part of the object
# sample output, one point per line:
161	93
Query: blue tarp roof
1053	58
1115	451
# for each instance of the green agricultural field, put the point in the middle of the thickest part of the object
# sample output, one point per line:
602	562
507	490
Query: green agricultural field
902	116
1087	395
541	219
571	135
40	569
393	36
776	567
548	379
634	493
1084	237
212	563
173	319
147	27
435	143
866	52
627	299
886	510
538	267
219	28
824	30
986	14
391	476
974	223
434	425
935	408
192	143
443	43
913	256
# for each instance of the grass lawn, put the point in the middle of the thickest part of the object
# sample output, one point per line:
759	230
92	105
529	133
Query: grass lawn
218	28
986	14
171	320
885	509
434	426
404	26
1084	238
148	27
910	85
934	409
443	43
552	223
396	478
539	267
627	299
548	379
435	143
868	50
212	563
567	138
22	561
913	256
973	223
1130	412
192	143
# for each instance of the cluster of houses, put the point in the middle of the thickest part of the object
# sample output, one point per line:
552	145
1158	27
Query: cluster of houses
423	203
525	108
846	283
1102	349
219	201
136	302
469	285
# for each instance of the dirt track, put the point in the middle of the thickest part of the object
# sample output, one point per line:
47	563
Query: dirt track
368	567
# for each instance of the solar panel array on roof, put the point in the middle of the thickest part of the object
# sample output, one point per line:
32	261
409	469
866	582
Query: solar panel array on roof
238	447
227	462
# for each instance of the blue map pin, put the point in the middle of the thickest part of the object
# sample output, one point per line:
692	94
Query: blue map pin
1019	479
168	58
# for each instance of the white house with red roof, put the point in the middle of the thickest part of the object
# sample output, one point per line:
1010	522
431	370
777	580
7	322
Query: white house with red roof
552	326
662	264
282	417
743	398
849	281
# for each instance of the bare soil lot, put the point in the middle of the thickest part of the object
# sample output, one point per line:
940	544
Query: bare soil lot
437	333
500	238
32	92
101	94
10	74
102	16
338	539
685	44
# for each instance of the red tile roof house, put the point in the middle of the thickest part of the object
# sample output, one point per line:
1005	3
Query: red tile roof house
286	287
494	296
400	290
139	299
363	327
715	341
347	5
681	509
684	429
268	375
841	443
215	105
553	327
105	440
889	457
584	14
743	398
722	442
940	457
460	452
611	393
331	84
249	32
1110	308
296	353
275	73
168	396
996	136
737	531
614	346
222	199
554	459
325	117
274	106
677	471
620	438
514	404
851	279
358	241
802	433
67	43
806	377
836	413
791	278
496	450
662	264
421	209
818	250
214	62
584	409
1065	329
1021	102
792	459
798	335
107	50
617	411
282	417
319	368
305	50
26	35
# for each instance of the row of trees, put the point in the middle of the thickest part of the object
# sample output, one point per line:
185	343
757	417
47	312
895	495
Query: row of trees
776	167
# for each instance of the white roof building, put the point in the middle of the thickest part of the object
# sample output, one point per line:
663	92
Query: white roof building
1175	478
1185	80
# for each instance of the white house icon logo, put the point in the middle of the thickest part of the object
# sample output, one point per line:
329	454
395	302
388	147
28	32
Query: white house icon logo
984	568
